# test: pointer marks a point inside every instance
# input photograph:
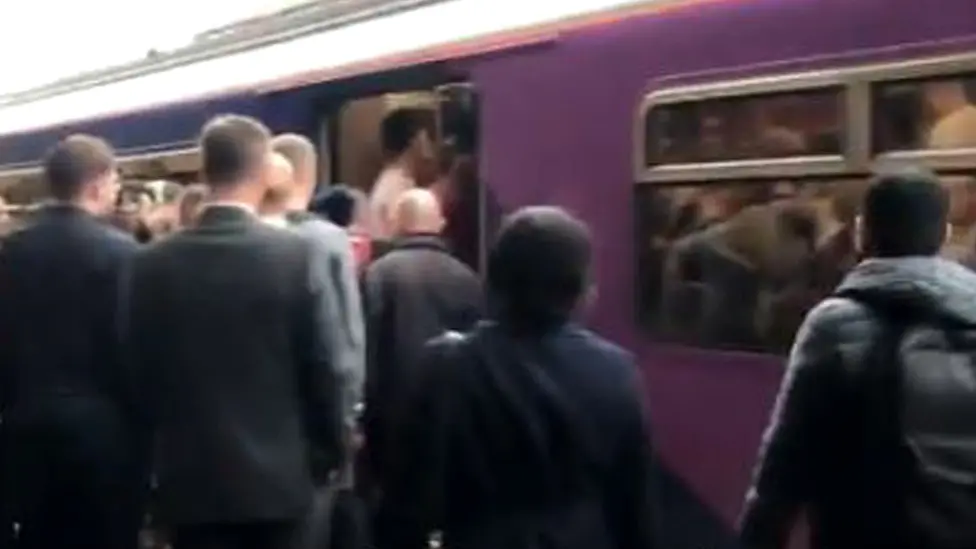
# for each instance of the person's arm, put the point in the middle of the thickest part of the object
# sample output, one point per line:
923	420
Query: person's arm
631	500
319	373
351	344
414	483
6	325
803	420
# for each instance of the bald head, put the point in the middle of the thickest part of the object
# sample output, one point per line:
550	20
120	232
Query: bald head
417	211
279	184
300	152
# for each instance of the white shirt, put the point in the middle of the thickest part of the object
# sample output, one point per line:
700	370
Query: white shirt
393	181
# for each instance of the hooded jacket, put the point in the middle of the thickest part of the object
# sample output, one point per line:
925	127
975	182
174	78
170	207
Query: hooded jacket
814	432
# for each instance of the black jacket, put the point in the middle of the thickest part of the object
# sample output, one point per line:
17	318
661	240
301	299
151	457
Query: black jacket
230	337
522	442
415	292
809	455
58	328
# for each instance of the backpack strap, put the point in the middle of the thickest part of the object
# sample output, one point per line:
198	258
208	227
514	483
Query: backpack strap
877	395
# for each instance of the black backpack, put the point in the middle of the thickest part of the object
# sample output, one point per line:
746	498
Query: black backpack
918	465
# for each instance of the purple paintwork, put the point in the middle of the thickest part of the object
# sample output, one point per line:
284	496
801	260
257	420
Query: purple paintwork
557	129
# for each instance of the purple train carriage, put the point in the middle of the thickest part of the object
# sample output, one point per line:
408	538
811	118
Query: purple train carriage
717	148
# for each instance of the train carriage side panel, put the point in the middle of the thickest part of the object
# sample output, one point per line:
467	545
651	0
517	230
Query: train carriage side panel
558	129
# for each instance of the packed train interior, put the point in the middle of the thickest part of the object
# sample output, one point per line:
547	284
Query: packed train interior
718	149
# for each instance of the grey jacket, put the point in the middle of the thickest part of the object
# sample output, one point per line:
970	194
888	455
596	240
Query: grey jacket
349	345
809	427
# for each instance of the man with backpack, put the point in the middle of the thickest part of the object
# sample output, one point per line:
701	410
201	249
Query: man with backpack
873	436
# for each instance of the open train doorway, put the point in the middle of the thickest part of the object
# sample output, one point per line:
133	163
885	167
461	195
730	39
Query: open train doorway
449	115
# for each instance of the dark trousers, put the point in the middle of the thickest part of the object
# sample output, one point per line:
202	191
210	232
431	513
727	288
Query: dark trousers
70	482
254	535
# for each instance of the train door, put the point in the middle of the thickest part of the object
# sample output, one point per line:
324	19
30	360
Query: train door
467	204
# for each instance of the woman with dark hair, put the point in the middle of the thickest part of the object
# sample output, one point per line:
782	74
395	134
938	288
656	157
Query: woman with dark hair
528	431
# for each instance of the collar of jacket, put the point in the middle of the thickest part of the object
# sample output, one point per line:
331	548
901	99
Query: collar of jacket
420	241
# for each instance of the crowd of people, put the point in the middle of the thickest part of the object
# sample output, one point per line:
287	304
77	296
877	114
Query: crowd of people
245	365
261	372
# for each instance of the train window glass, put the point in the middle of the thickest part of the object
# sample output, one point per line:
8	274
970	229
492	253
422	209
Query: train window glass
771	125
934	113
739	265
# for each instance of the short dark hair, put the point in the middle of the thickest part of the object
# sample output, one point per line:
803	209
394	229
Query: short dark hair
76	161
297	149
231	146
337	204
905	213
538	267
399	128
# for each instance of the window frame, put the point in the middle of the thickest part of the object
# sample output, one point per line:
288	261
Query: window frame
856	84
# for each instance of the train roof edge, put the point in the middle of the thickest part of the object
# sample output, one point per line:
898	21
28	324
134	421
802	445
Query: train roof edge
474	27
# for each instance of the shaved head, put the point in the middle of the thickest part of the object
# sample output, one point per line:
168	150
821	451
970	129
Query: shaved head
417	211
300	152
279	182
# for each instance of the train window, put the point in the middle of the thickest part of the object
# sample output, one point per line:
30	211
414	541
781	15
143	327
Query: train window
934	113
738	265
770	125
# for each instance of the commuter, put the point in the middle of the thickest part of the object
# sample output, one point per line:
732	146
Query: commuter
348	208
343	287
872	432
233	358
527	431
953	113
71	464
337	513
413	293
407	143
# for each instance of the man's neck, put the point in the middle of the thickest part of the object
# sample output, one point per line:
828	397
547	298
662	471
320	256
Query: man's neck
402	163
232	196
87	206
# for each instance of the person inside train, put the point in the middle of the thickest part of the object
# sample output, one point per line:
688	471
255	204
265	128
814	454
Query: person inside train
953	113
414	292
527	431
961	244
71	460
230	336
407	144
874	391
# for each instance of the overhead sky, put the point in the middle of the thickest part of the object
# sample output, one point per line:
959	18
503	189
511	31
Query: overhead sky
43	40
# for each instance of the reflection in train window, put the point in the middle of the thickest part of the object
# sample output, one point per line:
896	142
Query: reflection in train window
935	113
738	266
773	125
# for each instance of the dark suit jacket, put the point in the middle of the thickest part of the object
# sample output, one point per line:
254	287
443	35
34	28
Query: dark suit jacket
521	442
415	292
228	340
58	327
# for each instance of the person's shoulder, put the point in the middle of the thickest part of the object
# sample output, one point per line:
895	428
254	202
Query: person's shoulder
117	238
836	315
601	346
320	229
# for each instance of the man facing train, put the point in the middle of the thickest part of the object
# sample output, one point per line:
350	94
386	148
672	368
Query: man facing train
71	466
